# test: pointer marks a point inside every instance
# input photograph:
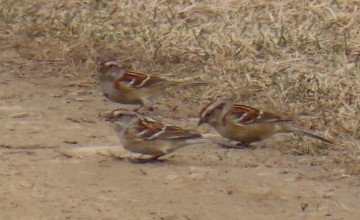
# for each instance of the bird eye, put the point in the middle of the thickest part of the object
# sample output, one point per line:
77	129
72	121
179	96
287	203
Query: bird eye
120	115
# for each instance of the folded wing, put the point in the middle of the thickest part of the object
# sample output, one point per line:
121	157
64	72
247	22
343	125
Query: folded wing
137	80
244	114
149	129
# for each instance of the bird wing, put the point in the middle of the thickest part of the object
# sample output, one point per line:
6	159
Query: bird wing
137	80
149	129
244	114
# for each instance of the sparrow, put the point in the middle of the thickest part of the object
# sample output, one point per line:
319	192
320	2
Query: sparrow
127	87
144	135
246	124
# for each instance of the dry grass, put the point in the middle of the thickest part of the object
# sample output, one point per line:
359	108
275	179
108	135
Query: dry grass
300	57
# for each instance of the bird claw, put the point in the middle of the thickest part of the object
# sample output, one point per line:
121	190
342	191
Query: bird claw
237	146
244	146
226	146
145	160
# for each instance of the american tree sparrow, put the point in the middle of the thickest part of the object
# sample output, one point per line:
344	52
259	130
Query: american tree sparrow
127	87
140	134
247	124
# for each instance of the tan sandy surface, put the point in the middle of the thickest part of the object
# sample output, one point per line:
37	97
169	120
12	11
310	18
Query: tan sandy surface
297	58
199	182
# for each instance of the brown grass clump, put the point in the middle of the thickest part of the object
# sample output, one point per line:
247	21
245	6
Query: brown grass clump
296	57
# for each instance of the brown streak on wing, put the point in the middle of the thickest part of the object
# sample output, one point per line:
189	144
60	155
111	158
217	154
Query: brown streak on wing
174	132
148	128
152	129
253	115
135	80
140	77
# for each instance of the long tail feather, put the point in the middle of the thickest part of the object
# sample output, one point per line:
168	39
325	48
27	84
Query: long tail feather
196	80
302	132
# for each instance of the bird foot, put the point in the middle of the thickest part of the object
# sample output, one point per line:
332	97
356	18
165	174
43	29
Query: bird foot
153	159
244	146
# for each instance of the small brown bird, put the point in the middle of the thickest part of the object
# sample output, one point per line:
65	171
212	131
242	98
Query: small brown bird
127	87
140	134
246	124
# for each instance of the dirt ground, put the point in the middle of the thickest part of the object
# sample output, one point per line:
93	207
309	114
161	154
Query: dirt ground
41	115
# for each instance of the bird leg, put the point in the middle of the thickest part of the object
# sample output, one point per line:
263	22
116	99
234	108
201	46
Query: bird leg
146	160
241	145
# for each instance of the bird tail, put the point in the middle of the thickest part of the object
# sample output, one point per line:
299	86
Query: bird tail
192	80
306	133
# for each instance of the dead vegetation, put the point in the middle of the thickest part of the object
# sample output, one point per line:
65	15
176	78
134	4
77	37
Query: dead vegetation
301	58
